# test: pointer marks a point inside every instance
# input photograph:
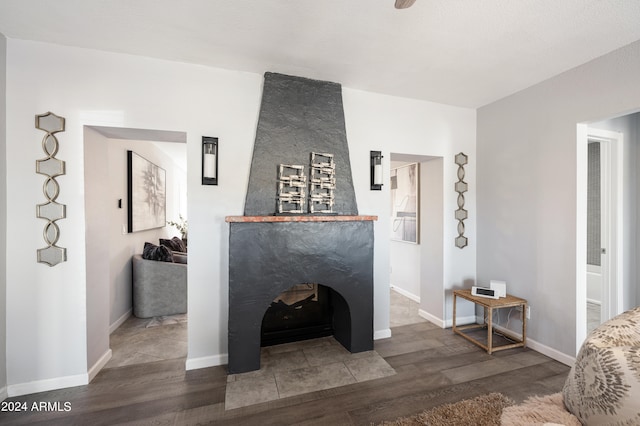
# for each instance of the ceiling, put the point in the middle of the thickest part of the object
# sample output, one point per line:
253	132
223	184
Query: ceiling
459	52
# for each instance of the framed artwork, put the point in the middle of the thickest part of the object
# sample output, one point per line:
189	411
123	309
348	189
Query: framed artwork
146	183
404	203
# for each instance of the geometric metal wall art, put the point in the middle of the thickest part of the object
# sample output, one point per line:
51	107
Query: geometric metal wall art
292	184
322	183
51	211
461	187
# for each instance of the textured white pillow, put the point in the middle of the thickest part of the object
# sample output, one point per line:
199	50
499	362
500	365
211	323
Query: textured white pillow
603	386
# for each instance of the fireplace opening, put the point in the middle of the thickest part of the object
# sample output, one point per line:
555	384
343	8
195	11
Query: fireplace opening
302	312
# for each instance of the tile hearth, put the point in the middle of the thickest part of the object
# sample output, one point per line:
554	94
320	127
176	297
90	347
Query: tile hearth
301	367
287	370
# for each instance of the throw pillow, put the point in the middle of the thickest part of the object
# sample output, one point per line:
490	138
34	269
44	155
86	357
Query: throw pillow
179	243
154	252
174	244
604	383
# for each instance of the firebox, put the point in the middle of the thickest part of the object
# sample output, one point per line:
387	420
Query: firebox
300	313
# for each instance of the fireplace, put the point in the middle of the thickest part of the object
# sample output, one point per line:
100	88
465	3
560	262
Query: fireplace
269	253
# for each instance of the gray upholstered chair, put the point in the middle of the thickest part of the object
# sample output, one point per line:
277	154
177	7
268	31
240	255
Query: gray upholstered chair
159	288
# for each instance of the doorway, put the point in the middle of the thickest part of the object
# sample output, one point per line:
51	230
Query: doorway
606	220
109	245
417	266
603	286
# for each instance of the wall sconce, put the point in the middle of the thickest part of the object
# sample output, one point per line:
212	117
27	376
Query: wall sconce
209	160
376	171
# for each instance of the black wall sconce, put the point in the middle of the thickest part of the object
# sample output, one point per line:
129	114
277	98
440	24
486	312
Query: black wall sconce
376	171
209	160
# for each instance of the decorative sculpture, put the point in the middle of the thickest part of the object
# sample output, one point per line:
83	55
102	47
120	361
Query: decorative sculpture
292	184
51	167
322	183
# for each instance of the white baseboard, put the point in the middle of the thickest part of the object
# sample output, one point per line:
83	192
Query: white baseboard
47	385
382	334
431	318
446	323
113	327
551	353
595	302
405	293
99	365
539	347
3	393
206	361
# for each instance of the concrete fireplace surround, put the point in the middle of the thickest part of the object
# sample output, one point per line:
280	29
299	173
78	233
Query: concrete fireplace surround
268	253
268	257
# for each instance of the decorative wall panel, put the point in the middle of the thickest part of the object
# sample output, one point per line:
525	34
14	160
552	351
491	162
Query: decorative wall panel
461	187
51	167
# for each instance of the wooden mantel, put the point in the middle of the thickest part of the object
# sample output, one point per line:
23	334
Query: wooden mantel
300	218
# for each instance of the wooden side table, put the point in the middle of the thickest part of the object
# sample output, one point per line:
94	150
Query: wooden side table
489	305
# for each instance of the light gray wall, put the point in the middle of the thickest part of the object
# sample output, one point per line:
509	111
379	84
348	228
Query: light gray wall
527	179
3	217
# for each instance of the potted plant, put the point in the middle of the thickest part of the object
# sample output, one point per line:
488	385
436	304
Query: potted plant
181	226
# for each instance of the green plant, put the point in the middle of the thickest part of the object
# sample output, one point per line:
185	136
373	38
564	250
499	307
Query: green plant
181	226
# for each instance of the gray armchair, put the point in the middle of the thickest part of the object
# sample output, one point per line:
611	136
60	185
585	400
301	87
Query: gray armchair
159	288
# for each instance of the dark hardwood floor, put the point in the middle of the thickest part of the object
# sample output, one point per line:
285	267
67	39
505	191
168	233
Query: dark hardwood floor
433	367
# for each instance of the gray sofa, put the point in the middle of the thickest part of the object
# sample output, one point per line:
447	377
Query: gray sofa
159	288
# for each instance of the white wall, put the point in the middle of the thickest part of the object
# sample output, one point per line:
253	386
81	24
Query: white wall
404	126
527	178
46	307
432	213
97	230
94	88
3	218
